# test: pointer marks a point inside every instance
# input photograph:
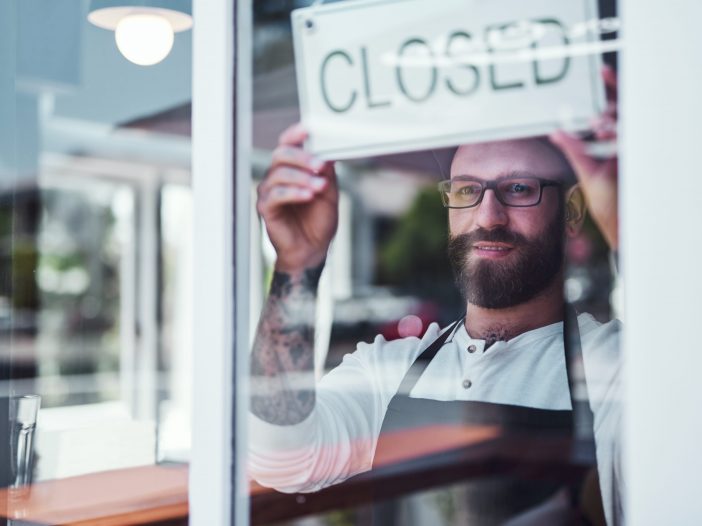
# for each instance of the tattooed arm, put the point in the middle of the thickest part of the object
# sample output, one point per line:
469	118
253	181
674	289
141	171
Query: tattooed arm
282	363
298	201
331	427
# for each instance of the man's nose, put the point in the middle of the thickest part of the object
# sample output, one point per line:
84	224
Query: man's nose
490	212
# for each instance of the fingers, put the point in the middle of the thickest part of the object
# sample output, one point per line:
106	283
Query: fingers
604	127
575	151
287	176
294	156
292	166
294	135
290	152
610	79
612	110
287	185
283	195
295	176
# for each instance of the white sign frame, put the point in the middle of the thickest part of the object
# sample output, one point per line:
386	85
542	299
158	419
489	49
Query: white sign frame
332	137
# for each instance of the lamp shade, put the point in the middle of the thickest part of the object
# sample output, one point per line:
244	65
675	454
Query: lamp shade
107	13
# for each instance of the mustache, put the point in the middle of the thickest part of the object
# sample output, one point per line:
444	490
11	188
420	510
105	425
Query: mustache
497	235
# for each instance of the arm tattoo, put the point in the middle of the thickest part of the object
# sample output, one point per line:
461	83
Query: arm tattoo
282	361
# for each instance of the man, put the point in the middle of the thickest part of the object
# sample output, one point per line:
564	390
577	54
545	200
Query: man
510	205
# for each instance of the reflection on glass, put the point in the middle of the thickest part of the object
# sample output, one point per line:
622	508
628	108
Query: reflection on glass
93	149
23	415
83	232
429	357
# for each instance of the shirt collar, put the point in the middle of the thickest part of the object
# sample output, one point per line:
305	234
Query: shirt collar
463	340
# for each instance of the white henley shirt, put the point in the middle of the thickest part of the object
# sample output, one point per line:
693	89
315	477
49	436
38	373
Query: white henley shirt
338	439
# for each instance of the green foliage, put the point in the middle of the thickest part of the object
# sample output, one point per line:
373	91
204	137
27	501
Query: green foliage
415	253
341	518
25	259
5	222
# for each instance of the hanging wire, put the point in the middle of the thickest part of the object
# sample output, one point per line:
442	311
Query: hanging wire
439	164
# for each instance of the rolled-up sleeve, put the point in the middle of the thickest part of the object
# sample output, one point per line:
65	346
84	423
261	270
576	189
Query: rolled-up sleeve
337	440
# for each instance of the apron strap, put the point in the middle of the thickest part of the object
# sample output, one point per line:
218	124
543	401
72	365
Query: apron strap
427	355
585	494
573	353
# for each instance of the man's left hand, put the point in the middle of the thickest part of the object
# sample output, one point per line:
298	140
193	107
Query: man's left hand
597	176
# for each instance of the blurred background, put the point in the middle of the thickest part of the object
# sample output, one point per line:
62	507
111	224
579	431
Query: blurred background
389	258
96	228
95	232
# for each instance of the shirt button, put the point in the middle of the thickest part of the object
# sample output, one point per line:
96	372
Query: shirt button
472	348
467	384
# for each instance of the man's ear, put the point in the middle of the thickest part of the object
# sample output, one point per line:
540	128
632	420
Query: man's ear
574	210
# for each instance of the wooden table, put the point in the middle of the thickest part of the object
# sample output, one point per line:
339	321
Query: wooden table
433	457
144	495
419	459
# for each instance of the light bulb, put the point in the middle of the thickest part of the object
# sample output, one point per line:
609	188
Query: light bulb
144	39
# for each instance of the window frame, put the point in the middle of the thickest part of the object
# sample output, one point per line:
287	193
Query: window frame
218	485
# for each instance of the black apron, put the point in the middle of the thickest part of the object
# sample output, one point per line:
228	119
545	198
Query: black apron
491	498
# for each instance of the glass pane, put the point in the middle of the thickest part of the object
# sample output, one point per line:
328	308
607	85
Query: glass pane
175	389
413	364
82	234
95	189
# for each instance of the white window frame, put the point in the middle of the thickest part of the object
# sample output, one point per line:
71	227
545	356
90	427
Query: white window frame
219	488
662	359
660	84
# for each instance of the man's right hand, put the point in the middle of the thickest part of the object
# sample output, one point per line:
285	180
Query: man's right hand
298	200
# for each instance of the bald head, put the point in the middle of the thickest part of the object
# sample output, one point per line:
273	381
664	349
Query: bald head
535	156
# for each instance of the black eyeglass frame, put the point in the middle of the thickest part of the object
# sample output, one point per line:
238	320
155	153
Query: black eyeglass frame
492	185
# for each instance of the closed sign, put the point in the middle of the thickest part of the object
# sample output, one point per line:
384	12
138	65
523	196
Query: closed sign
377	77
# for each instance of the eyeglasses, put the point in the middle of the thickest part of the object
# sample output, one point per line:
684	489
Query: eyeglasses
467	192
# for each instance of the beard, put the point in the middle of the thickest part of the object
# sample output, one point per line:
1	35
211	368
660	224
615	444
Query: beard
530	269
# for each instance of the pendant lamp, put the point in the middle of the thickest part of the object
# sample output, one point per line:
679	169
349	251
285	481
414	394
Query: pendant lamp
144	29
